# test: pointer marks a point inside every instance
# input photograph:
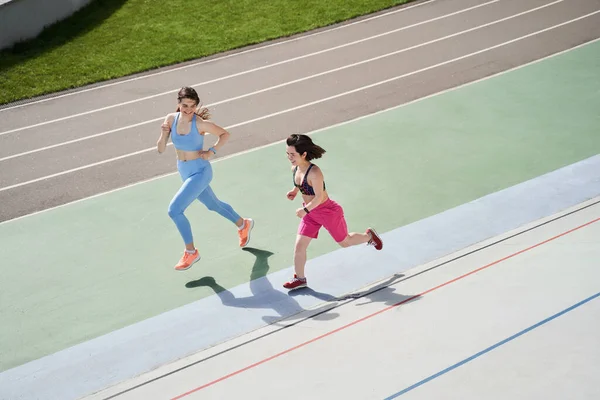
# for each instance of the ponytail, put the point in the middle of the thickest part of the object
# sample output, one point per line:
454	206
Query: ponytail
203	112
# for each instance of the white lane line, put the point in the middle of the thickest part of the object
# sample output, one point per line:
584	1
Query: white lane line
321	129
83	138
222	57
245	72
310	103
284	84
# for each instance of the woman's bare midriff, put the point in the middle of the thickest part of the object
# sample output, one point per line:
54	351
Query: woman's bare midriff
308	198
187	155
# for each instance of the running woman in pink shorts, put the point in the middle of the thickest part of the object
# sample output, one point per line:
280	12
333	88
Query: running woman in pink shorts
318	209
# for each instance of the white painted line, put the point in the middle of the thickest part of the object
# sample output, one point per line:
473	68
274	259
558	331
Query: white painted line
307	104
223	57
531	224
83	138
564	190
408	74
244	72
315	131
284	84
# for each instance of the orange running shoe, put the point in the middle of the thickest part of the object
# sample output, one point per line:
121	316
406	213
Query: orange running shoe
244	233
187	260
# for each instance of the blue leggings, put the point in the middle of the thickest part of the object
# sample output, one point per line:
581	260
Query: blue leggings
196	176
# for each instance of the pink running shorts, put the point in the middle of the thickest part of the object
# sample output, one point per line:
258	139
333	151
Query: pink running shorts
328	214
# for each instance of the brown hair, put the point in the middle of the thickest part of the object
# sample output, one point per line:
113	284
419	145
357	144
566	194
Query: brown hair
304	144
187	92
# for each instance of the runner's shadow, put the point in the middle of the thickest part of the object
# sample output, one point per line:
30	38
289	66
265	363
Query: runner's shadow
382	293
264	296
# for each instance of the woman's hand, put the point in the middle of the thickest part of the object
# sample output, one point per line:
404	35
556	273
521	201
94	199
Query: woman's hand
291	195
165	129
300	213
205	155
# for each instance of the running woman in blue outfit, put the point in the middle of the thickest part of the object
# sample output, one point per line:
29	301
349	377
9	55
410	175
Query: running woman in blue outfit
187	128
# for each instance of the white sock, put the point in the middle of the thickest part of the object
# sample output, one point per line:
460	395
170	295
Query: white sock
190	251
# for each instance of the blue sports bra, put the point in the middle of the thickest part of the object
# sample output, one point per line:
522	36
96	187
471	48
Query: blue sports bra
304	187
193	141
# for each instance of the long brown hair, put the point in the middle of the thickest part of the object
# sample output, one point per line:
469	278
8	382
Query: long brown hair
304	144
187	92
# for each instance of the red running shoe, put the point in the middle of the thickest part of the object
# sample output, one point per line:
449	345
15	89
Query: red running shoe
295	283
375	239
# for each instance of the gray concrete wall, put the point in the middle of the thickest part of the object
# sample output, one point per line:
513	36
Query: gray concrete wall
25	19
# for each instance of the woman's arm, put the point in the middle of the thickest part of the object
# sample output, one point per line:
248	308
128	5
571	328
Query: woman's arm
165	132
214	129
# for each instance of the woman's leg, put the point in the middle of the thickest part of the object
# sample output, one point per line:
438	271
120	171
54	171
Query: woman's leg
307	231
370	237
300	249
354	238
299	279
335	222
210	200
192	187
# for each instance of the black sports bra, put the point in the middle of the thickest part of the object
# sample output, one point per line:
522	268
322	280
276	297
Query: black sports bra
304	187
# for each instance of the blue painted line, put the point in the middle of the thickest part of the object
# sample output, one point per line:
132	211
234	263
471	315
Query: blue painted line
474	356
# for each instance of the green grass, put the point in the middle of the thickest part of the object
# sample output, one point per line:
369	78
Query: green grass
114	38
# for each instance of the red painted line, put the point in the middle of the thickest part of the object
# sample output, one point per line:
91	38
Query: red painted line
256	364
